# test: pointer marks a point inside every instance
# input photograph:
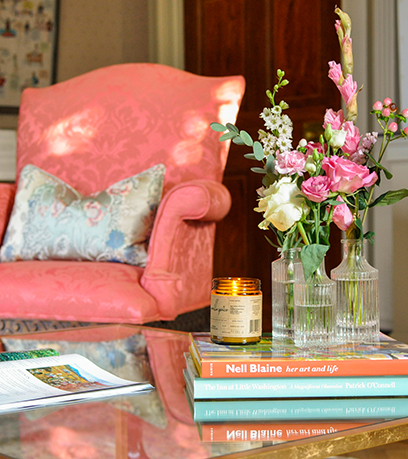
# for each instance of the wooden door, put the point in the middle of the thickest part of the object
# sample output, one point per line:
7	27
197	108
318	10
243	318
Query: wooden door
254	38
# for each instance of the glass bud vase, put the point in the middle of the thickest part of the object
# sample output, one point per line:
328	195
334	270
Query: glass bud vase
358	313
283	284
315	310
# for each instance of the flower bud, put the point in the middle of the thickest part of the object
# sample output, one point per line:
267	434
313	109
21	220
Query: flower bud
405	131
328	132
405	112
393	127
302	143
310	166
345	21
386	112
378	105
387	101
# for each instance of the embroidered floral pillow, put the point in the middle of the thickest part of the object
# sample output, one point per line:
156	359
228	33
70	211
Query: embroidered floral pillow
53	221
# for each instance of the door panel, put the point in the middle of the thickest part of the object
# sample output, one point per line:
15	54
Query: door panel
254	39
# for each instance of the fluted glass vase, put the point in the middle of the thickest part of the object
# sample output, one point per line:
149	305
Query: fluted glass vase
283	288
358	313
315	306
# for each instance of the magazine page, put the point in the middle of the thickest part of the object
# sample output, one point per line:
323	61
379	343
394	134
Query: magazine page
32	383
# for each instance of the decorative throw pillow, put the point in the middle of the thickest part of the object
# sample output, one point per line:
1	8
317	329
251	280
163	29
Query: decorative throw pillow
52	221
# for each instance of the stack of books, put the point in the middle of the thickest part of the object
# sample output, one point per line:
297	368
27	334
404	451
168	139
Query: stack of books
265	392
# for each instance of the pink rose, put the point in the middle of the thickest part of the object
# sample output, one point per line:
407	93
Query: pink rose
316	189
335	119
346	176
342	216
290	162
352	138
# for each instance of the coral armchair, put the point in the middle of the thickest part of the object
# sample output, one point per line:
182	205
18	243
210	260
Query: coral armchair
100	128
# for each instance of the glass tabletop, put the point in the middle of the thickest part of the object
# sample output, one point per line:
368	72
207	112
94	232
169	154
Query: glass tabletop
160	424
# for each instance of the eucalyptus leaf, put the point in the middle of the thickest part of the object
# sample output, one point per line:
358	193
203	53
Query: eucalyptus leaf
238	141
258	170
218	127
270	164
312	256
228	136
232	128
258	151
249	156
246	138
269	179
390	197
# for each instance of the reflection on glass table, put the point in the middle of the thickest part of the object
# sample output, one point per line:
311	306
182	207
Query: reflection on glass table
160	424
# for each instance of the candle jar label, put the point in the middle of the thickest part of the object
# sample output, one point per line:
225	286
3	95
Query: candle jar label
235	316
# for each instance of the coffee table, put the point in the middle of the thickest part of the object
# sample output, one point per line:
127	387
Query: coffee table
157	425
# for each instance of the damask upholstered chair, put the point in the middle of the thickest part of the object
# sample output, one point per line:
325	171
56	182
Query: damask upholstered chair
96	156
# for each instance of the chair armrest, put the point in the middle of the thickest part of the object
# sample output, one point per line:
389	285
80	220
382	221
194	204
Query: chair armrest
180	255
7	193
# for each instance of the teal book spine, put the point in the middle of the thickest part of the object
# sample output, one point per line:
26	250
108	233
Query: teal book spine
355	409
311	387
29	354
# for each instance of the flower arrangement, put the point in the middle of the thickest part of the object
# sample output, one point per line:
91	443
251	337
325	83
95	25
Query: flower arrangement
307	188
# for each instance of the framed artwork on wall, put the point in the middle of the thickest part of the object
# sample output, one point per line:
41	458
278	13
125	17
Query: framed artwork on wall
28	44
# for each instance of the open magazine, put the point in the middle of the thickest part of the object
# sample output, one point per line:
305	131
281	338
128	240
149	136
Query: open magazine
28	381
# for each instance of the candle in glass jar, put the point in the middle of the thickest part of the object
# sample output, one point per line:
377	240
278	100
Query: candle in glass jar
236	310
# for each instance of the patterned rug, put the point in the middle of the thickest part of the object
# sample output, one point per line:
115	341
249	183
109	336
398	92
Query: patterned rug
192	321
19	326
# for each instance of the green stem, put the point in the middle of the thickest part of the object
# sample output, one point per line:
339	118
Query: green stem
303	233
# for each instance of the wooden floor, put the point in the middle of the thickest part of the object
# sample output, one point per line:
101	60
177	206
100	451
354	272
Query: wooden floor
392	451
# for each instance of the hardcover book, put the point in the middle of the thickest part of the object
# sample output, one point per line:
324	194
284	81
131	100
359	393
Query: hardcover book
268	359
298	410
271	431
284	387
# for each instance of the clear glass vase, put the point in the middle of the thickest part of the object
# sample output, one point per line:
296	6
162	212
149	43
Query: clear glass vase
358	313
315	310
283	300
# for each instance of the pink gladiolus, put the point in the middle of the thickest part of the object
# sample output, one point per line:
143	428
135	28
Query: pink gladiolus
378	105
386	112
348	89
342	216
290	162
316	189
335	119
335	73
405	112
387	101
347	176
393	127
352	138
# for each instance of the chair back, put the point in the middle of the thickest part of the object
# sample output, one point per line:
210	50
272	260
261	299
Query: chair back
98	128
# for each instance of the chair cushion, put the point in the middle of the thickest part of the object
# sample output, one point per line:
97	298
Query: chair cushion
84	291
52	220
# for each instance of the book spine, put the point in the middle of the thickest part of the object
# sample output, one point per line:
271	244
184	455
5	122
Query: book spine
383	386
29	354
261	368
352	410
271	431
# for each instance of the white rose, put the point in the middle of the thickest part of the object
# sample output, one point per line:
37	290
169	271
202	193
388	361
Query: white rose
281	205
